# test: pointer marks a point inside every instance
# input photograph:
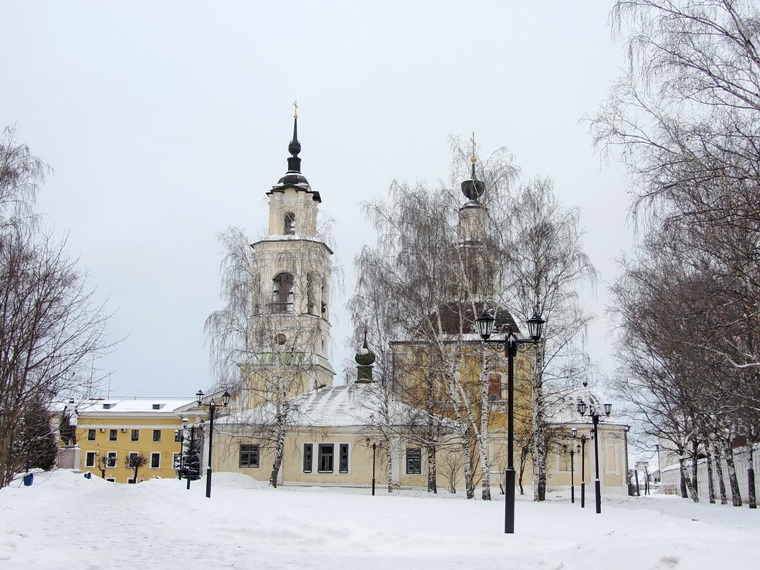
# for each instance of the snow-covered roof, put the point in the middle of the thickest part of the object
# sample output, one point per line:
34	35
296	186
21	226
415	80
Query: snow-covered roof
357	404
119	406
565	410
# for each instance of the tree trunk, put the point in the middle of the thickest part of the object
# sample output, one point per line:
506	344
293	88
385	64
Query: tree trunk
432	484
710	482
736	497
539	429
682	475
721	479
469	486
686	481
485	463
752	498
279	447
392	447
523	461
694	466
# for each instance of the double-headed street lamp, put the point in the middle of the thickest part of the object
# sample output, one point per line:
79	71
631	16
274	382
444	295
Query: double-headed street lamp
211	408
594	414
574	433
535	329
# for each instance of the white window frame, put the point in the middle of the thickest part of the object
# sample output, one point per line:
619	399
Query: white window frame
87	456
152	455
115	456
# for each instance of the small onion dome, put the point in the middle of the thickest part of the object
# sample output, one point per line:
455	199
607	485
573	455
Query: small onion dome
365	357
473	189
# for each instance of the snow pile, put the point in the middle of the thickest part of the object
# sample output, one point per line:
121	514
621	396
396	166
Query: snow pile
65	521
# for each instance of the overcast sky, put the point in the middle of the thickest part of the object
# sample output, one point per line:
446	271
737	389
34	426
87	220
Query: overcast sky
167	122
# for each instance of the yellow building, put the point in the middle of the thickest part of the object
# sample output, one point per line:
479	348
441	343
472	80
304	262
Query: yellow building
334	439
108	431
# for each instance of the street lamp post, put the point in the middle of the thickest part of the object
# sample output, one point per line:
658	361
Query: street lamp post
659	465
594	414
212	409
583	471
535	329
574	432
374	455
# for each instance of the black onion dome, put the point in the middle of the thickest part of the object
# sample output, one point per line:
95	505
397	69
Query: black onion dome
365	357
473	189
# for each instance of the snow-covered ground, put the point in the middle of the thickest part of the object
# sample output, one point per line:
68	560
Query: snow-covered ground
65	521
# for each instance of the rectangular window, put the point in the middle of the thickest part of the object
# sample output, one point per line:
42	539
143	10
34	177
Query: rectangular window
564	460
155	460
112	435
156	435
494	388
90	435
413	461
131	481
249	455
110	479
343	462
326	457
177	435
308	453
111	462
89	459
133	454
135	435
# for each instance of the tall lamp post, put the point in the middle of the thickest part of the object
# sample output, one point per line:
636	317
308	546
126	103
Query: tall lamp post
211	409
374	447
535	329
583	471
594	414
574	433
659	465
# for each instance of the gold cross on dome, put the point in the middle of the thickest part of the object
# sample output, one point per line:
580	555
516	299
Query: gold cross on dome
295	109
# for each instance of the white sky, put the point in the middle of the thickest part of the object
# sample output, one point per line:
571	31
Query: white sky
67	522
167	122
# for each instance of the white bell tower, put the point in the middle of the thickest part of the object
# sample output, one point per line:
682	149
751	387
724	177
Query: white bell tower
291	314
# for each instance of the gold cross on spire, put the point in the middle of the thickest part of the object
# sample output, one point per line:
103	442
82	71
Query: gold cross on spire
295	109
473	158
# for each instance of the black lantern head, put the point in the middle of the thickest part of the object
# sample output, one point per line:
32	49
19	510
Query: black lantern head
536	327
607	409
225	398
199	397
485	325
582	407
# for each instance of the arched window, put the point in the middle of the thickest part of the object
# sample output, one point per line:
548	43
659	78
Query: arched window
311	305
282	293
494	388
256	294
323	296
290	223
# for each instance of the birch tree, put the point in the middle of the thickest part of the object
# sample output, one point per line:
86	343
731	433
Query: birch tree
546	269
50	329
262	349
